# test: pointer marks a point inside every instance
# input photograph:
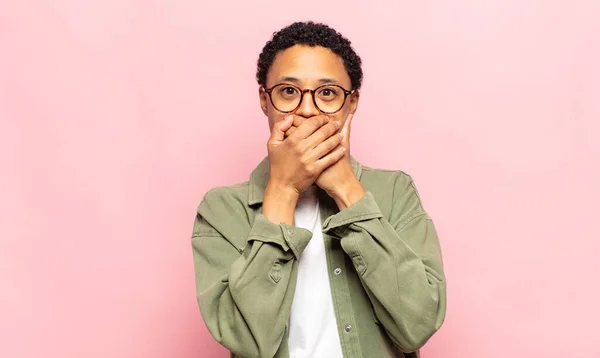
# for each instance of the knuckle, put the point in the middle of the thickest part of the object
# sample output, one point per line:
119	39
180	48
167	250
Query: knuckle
290	141
325	131
330	144
292	148
314	121
330	128
320	137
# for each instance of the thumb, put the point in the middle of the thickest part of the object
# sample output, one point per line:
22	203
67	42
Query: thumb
346	129
280	128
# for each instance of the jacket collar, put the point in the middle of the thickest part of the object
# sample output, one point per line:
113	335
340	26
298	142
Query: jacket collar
260	177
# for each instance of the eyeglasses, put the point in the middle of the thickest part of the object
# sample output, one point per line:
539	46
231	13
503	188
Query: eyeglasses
328	99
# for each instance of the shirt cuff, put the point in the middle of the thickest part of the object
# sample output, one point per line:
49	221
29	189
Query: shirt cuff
364	209
286	236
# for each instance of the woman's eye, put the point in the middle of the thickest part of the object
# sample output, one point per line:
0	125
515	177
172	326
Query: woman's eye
289	90
328	92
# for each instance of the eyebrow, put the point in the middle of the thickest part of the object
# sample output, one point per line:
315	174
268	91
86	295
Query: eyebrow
329	80
295	80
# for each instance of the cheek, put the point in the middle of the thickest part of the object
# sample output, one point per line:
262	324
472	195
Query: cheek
272	113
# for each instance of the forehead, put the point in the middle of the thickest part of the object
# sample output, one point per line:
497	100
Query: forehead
308	65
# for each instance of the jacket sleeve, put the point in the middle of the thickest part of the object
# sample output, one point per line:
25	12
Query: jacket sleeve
245	293
399	262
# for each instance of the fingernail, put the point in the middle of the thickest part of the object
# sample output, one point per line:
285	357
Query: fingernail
287	117
338	124
343	149
341	135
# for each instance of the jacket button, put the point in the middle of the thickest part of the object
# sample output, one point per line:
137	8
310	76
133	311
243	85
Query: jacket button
348	328
337	271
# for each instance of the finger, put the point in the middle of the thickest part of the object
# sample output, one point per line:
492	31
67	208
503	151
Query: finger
290	131
322	134
280	128
298	120
310	125
327	146
331	158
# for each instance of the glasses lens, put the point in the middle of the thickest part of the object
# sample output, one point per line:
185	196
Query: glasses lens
286	97
329	99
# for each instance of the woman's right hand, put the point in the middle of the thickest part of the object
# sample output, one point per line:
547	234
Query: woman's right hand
298	160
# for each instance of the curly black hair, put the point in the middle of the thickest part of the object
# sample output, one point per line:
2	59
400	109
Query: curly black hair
310	34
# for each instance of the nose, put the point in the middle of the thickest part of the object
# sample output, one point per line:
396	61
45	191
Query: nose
307	107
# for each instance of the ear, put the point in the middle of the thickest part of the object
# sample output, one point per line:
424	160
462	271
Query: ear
354	101
262	95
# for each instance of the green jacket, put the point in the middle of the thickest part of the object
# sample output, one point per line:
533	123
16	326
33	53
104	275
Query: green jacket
383	254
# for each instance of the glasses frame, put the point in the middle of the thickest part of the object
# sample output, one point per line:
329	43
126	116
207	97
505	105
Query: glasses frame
312	94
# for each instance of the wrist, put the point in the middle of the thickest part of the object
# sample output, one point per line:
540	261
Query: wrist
348	193
283	192
279	203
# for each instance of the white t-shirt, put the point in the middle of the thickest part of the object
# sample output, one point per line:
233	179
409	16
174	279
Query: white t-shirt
312	325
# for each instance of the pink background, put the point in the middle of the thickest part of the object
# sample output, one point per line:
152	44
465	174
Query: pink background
117	116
